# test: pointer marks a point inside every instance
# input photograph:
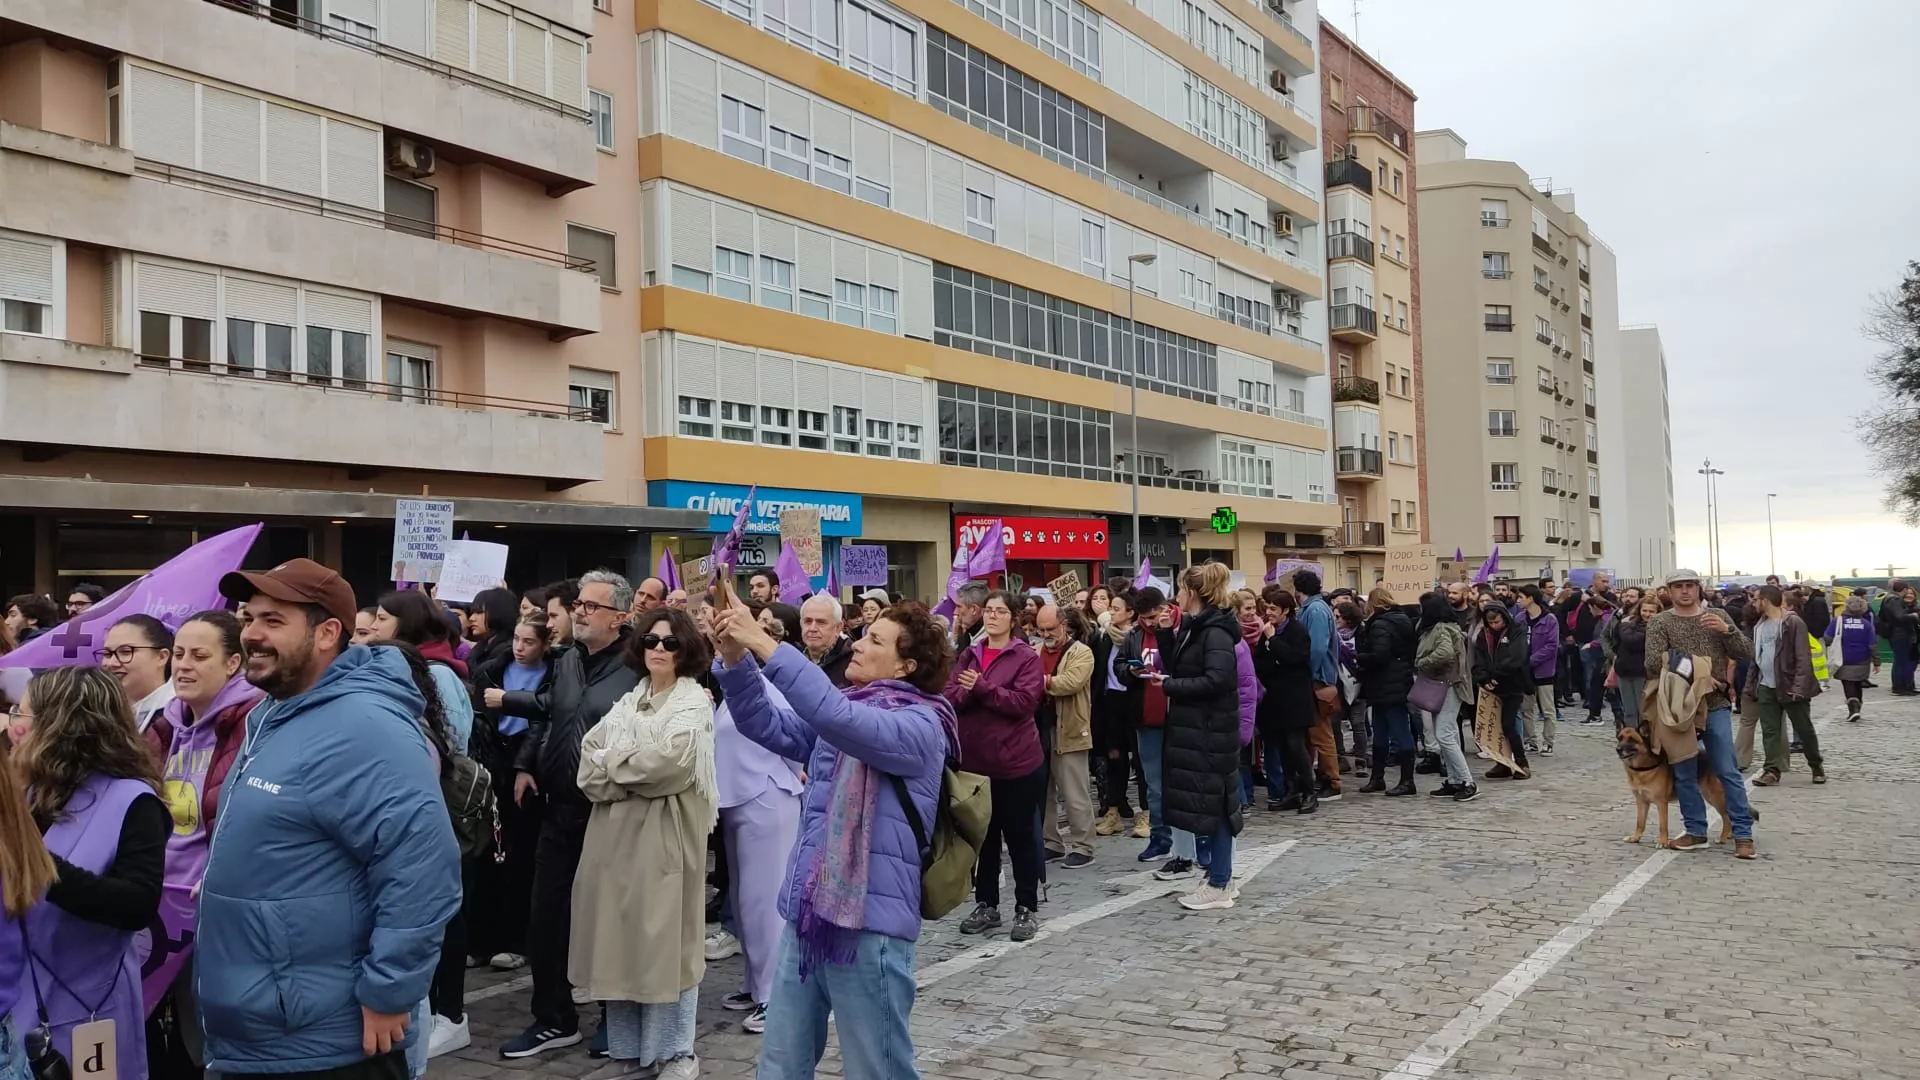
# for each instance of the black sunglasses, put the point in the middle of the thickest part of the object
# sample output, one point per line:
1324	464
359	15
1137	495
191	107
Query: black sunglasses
655	641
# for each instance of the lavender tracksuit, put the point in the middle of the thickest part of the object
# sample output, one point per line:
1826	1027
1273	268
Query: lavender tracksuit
760	813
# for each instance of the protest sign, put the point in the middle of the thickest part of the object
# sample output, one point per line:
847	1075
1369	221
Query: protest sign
800	526
421	530
469	567
1410	572
863	564
1065	587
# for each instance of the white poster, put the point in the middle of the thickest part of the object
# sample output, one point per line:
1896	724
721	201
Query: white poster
421	531
470	566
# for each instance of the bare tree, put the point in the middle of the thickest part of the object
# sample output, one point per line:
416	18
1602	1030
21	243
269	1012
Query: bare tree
1891	431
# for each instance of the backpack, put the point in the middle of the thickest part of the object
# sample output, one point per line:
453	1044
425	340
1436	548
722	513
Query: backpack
468	789
947	857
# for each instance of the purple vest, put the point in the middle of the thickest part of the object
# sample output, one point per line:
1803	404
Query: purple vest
81	964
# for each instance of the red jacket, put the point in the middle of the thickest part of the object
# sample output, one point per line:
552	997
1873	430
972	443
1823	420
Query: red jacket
998	736
230	732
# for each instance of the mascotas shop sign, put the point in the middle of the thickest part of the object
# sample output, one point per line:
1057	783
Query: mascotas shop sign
839	512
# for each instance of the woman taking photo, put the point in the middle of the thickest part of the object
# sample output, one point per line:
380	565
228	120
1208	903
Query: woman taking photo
995	690
200	732
639	922
93	790
136	651
1503	667
852	892
1284	660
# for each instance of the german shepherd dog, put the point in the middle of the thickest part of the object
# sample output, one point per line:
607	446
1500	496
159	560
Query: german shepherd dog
1650	776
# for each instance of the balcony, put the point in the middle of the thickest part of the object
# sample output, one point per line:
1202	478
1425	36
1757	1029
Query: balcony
1368	120
46	382
1500	324
1544	337
1194	480
1542	245
1356	388
1352	462
1550	389
1548	439
1488	221
1349	245
1353	322
1361	534
1495	273
1302	50
1549	489
1512	537
1350	172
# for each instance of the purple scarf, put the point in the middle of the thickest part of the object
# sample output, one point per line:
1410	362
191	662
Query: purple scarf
833	895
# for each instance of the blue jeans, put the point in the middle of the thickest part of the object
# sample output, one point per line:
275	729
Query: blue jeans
1392	731
1220	870
1276	767
1153	747
1593	668
1718	754
13	1054
872	999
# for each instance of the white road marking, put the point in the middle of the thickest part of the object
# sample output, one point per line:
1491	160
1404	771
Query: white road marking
1434	1054
511	986
1246	863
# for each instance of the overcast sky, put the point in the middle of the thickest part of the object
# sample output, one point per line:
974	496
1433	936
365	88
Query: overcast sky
1755	168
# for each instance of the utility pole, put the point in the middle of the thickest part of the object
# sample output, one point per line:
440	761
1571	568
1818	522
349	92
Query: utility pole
1773	567
1713	519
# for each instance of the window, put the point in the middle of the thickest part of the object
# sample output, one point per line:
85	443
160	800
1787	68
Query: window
686	277
1413	517
1547	429
1542	329
179	341
1093	249
1549	478
1593	481
979	215
1296	400
1593	437
601	106
969	85
1493	213
354	27
1587	385
776	283
776	426
29	270
1380	174
817	305
1500	423
1399	179
1493	264
736	421
1393	515
1586	346
881	49
1336	90
411	208
742	130
1499	317
590	396
1506	530
597	248
1506	476
812	428
1400	314
1545	379
1540	223
334	357
1553	530
732	274
883	309
696	417
1393	446
1499	372
1586	301
849	303
787	152
846	429
906	441
409	373
260	347
879	438
1400	247
993	429
874	192
833	171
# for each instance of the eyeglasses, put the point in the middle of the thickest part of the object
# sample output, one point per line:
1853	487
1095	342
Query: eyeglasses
655	641
76	606
124	653
19	712
589	608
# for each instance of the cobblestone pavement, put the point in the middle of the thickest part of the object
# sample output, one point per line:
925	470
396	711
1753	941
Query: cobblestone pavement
1515	936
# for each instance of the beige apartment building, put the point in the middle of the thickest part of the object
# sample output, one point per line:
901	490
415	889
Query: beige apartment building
1517	291
1373	258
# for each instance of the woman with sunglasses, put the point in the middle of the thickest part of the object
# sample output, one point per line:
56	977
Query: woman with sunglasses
93	789
137	651
639	920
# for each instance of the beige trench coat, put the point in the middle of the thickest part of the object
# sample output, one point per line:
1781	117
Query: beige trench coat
1072	694
639	897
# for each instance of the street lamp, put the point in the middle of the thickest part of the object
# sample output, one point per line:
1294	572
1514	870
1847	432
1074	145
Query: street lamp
1133	391
1772	565
1713	518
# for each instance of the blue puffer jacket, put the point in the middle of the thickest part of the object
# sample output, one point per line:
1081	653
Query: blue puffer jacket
818	723
332	875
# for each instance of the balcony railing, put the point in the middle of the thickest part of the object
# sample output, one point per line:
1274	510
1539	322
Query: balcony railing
1290	336
1542	244
1495	273
1349	171
1349	245
1356	388
1370	120
1355	317
1299	417
1278	14
1185	480
1506	537
1354	461
1505	485
259	9
421	395
1488	221
1361	534
1500	323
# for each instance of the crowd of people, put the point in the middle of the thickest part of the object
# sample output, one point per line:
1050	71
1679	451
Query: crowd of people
275	838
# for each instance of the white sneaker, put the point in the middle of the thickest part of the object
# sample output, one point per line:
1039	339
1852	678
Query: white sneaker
448	1036
686	1068
507	961
1207	898
720	945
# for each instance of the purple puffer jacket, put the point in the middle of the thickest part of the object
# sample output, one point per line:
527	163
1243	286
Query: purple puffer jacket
817	724
1545	633
1250	689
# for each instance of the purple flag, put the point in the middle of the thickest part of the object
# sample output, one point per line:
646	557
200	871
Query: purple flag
667	572
187	583
1459	556
794	583
727	548
1145	577
833	575
1487	568
962	571
991	555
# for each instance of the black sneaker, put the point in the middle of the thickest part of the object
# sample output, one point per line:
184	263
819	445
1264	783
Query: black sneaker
1055	856
984	918
1174	869
1445	791
1499	772
1327	795
536	1039
1024	925
1076	860
1291	802
1466	794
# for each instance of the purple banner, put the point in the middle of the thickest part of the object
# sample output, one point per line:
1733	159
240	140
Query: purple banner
794	582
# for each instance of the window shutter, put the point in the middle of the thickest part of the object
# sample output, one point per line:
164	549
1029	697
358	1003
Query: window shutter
850	261
909	401
353	164
732	228
815	272
1010	216
262	301
1066	232
883	269
111	273
569	69
746	86
980	180
776	238
692	218
175	290
335	312
844	386
493	30
949	194
161	122
877	392
229	133
832	129
872	155
693	367
293	150
776	379
693	108
789	111
406	26
910	176
739	372
1039	210
453	33
810	386
916	299
530	56
360	11
26	269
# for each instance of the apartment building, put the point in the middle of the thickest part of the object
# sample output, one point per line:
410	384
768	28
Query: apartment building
1373	258
1518	296
288	260
905	261
1636	457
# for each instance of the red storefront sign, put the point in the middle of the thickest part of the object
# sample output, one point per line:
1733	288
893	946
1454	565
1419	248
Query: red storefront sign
1031	538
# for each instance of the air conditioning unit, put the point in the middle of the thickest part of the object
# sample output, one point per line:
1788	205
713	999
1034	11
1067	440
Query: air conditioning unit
1278	80
1280	150
1286	303
410	157
1283	224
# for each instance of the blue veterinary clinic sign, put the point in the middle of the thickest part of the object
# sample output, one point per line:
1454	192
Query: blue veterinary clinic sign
839	511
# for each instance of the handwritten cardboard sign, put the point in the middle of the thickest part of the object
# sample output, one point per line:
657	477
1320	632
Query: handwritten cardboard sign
863	564
1410	572
421	530
1065	587
800	526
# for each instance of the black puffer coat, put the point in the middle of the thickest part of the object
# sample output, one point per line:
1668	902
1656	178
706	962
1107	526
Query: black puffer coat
1385	647
579	690
1284	662
1201	773
1503	658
